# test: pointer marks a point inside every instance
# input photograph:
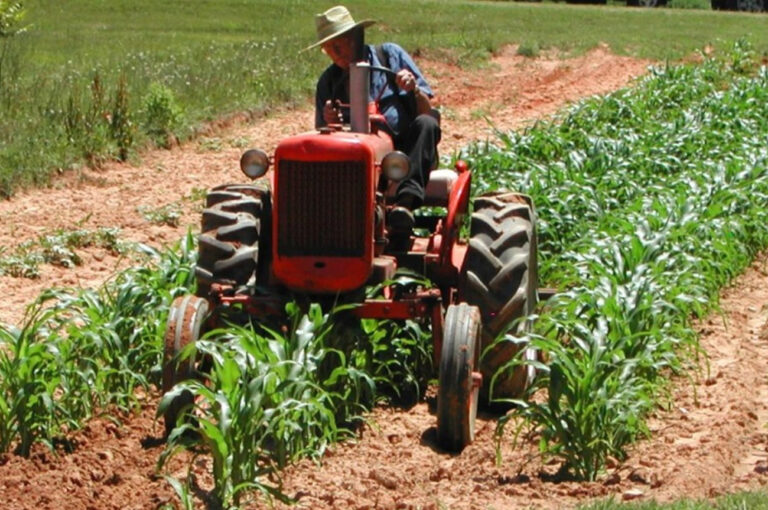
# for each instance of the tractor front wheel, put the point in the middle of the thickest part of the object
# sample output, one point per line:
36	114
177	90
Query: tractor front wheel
185	324
459	380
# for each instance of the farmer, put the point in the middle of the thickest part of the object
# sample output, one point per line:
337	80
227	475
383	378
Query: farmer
404	100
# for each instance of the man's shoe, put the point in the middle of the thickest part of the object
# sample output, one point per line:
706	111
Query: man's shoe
401	221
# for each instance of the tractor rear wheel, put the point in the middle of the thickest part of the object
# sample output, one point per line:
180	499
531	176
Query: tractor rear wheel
234	243
500	277
457	394
184	327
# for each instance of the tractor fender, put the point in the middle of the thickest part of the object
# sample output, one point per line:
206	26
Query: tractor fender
458	205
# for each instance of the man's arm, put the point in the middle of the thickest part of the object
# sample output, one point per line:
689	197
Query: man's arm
409	77
407	81
324	95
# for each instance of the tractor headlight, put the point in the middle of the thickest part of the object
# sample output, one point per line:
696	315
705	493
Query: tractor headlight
396	166
254	163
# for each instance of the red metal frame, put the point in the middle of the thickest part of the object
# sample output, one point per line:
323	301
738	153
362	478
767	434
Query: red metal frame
420	304
410	306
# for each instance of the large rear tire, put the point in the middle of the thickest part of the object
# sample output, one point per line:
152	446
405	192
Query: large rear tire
500	277
459	380
184	327
234	243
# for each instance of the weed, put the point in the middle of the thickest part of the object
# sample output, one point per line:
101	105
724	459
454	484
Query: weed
528	49
169	214
240	142
197	197
212	144
59	248
162	115
122	129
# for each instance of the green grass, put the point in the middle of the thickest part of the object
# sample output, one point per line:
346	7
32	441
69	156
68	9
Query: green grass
757	500
690	4
93	80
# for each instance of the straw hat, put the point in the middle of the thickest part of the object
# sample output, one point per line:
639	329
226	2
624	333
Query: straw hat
334	22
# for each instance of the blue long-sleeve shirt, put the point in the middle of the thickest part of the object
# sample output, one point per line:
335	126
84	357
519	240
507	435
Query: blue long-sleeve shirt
334	85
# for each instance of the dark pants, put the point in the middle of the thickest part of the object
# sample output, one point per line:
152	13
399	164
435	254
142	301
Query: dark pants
419	142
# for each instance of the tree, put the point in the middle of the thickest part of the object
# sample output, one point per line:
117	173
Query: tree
11	19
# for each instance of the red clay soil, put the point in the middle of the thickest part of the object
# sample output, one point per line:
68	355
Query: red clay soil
712	439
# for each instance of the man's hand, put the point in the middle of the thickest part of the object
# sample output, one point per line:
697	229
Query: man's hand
331	114
405	80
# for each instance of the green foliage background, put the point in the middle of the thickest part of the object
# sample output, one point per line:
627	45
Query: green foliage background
77	84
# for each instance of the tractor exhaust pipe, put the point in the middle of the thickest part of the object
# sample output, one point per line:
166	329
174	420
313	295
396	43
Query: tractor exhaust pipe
359	90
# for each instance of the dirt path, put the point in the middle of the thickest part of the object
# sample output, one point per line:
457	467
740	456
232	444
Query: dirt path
511	92
700	447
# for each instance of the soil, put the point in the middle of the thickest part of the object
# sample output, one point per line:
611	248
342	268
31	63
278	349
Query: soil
710	439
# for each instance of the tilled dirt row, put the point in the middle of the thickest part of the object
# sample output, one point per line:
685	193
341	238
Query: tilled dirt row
711	439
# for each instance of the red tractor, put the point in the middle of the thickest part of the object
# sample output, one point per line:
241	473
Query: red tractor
317	226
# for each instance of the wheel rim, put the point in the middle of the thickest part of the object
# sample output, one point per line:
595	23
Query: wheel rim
185	323
460	381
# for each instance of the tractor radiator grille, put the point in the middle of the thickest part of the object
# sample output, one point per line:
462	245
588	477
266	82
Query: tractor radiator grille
321	208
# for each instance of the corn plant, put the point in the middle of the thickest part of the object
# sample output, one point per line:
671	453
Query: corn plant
400	355
277	392
650	200
269	398
31	373
79	352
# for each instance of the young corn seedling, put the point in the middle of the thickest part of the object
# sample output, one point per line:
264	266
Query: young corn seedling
78	353
268	398
649	200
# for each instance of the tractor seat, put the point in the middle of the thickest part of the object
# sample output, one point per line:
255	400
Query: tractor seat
438	188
